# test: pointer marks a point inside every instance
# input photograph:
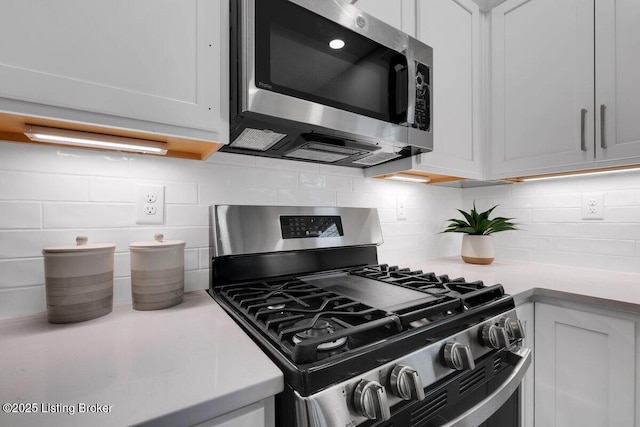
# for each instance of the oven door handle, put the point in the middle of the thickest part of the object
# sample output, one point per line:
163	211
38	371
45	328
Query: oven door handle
483	410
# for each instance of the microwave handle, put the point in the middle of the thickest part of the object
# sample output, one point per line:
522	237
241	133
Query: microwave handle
411	87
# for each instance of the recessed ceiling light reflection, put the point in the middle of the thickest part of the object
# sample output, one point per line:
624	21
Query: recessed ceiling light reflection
336	44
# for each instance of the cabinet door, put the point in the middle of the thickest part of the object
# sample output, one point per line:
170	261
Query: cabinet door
452	29
541	79
617	84
399	13
525	314
584	369
157	62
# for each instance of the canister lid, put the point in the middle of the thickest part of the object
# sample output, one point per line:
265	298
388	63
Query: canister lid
158	242
81	245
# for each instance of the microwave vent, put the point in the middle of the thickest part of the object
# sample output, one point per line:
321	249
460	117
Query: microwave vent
317	155
257	139
376	158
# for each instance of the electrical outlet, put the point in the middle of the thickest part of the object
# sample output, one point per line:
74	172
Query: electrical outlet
401	209
149	204
592	206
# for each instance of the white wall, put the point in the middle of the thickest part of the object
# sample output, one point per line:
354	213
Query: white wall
553	230
50	195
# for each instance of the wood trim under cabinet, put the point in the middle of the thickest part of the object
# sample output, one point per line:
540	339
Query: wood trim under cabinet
12	128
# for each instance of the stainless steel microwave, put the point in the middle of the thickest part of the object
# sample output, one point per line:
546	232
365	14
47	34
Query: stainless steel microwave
322	81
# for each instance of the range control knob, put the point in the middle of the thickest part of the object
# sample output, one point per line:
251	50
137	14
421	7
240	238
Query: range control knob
513	326
458	356
406	383
370	400
495	336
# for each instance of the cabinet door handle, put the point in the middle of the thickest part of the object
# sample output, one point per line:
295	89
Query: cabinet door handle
603	140
583	136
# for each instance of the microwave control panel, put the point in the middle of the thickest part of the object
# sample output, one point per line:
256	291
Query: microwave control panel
423	97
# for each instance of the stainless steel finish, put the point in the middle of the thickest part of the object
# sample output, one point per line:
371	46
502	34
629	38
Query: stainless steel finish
241	229
483	410
458	356
495	336
513	326
370	401
406	383
603	134
583	136
347	124
411	95
333	406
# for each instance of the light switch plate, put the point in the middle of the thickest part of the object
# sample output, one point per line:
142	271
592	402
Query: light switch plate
401	209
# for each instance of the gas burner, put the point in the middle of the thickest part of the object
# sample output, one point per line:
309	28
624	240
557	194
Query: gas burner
276	303
320	328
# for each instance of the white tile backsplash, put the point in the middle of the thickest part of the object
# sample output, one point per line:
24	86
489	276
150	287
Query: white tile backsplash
48	196
552	228
62	193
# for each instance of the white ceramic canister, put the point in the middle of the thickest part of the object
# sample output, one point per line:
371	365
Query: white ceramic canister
78	280
157	273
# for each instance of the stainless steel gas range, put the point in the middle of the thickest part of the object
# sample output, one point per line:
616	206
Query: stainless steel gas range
359	343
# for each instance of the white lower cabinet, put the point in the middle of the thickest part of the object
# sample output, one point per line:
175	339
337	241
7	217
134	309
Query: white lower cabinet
585	368
259	414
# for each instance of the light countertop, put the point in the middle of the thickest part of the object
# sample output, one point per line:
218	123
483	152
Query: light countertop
530	281
177	366
191	362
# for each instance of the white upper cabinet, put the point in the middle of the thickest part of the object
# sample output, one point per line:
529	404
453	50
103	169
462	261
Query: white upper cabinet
452	29
617	81
155	66
565	94
542	86
398	13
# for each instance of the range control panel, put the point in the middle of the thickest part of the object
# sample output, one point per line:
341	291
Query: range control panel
300	227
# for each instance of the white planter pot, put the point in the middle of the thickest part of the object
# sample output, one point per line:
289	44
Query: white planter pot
478	249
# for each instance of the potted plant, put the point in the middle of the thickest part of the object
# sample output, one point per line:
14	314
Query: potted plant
478	229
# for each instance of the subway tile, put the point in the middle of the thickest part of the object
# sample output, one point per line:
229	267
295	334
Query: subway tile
567	200
514	202
595	246
162	169
316	181
216	194
359	200
29	243
61	160
15	215
306	197
121	289
112	190
187	215
620	198
21	272
512	240
180	193
122	264
22	301
42	186
549	229
85	215
601	230
191	261
194	237
341	170
196	280
600	262
512	254
629	214
281	164
204	256
556	215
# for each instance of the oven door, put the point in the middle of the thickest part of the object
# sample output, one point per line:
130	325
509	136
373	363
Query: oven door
497	404
477	398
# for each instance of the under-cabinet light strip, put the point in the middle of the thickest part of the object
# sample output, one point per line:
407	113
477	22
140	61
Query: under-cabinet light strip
408	178
93	140
579	174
